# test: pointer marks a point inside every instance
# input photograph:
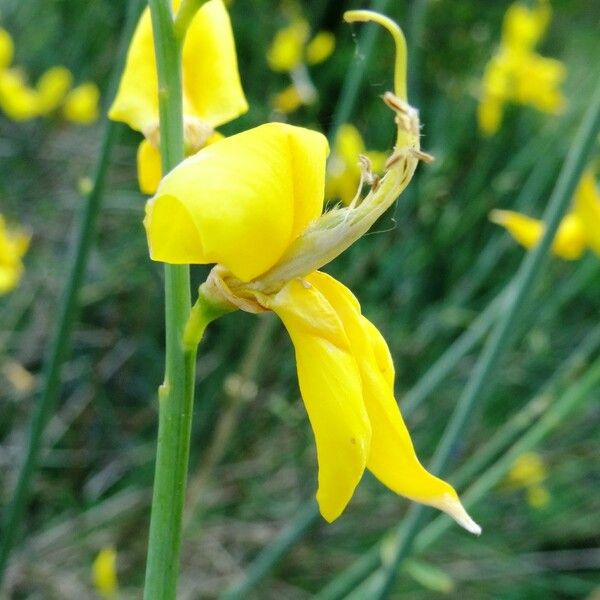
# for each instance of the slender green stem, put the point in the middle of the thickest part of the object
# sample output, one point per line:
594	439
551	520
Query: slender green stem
60	341
176	395
481	381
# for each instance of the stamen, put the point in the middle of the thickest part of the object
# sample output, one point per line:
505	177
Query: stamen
424	156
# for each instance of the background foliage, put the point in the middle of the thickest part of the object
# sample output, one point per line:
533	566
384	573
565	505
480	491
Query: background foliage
423	276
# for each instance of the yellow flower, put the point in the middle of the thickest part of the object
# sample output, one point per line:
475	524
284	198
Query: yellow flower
212	92
81	104
264	230
320	48
343	169
52	87
7	49
13	246
516	73
578	231
104	573
290	47
528	471
288	53
252	204
538	496
288	100
286	50
17	100
524	27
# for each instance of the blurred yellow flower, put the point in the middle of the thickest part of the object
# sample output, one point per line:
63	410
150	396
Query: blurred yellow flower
21	102
289	52
286	51
524	26
516	73
104	573
288	100
528	471
82	104
212	92
538	496
252	204
13	246
52	87
17	100
578	231
343	168
7	49
320	48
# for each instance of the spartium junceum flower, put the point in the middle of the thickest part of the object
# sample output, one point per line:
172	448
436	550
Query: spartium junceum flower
291	52
578	231
252	204
212	92
21	102
518	74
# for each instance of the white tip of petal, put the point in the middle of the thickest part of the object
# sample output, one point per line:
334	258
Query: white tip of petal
456	510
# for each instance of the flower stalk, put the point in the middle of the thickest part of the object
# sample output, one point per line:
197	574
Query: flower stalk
176	394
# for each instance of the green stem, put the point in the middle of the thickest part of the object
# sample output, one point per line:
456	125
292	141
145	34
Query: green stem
176	395
68	306
482	379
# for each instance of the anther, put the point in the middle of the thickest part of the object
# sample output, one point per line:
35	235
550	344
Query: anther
424	156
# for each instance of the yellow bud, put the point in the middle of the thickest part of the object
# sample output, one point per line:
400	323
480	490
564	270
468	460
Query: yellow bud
320	47
18	101
288	100
13	246
538	496
7	49
104	573
527	470
52	87
285	53
81	104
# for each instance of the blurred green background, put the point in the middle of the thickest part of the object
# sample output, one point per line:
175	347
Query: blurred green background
425	273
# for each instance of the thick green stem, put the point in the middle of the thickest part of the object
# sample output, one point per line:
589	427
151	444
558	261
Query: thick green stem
59	345
176	395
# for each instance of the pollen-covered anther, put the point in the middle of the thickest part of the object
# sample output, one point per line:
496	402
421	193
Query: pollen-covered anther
406	116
